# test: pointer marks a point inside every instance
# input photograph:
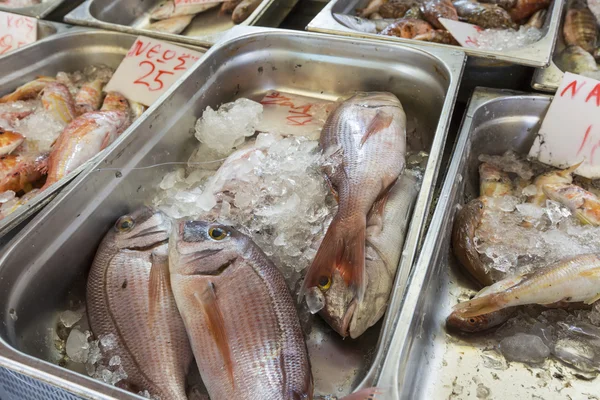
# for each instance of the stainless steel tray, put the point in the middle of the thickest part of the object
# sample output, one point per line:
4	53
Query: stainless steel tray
38	11
548	79
426	362
68	51
46	263
535	55
205	30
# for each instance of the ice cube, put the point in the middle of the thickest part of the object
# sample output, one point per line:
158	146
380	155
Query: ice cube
6	196
172	178
578	354
530	210
77	346
70	318
95	354
525	348
108	342
556	212
505	39
315	300
510	162
118	376
530	190
114	361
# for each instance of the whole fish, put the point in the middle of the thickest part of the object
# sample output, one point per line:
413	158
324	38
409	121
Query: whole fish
89	97
168	9
385	239
580	27
506	4
526	8
371	8
396	8
487	16
129	296
28	90
9	141
362	132
18	173
85	137
437	36
407	28
57	99
244	10
537	19
251	352
493	182
433	10
363	24
552	177
229	6
572	280
583	204
174	25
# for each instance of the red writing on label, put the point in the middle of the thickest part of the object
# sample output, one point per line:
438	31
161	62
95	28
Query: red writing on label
16	31
588	148
472	41
299	115
573	89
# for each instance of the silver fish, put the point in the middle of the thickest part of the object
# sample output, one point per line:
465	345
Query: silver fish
168	9
129	296
174	25
363	24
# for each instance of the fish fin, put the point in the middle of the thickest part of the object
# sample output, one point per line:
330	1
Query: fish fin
207	298
365	394
590	272
105	142
479	306
342	249
159	285
379	205
593	300
381	121
332	189
568	171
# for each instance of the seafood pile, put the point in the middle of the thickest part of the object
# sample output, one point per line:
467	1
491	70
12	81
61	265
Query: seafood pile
506	23
530	240
51	126
173	17
580	32
239	225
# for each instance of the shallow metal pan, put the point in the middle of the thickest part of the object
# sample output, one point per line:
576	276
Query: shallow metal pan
205	30
68	51
38	11
548	79
48	261
427	362
535	55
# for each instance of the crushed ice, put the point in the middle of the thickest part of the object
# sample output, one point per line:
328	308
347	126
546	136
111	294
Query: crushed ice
506	39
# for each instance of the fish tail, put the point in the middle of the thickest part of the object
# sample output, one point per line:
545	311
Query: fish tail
342	249
479	306
365	394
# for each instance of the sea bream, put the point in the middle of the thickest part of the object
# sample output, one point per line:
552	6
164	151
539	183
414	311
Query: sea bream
363	142
129	296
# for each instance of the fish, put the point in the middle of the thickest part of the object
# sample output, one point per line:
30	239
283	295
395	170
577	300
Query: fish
85	137
396	8
137	109
437	36
384	243
407	28
583	204
244	10
576	60
364	143
580	27
571	280
363	24
506	4
115	101
9	141
371	8
466	222
18	173
552	177
537	19
433	10
57	99
526	8
89	97
414	13
128	295
168	9
244	353
486	16
28	91
229	6
174	25
493	182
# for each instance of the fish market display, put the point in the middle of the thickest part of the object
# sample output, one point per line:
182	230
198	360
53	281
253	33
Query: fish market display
52	125
506	24
530	240
174	17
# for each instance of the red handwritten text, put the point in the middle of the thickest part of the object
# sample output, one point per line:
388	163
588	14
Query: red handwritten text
299	115
16	31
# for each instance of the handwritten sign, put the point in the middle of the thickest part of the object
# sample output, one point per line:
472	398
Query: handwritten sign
150	67
16	31
465	34
570	132
290	114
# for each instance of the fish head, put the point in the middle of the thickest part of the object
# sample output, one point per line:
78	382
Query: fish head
218	246
115	101
164	10
143	229
472	324
374	99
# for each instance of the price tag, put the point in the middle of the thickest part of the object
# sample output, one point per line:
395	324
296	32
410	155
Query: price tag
16	31
570	132
465	34
150	67
290	114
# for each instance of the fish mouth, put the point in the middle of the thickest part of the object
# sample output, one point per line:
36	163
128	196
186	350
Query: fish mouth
149	247
149	232
348	317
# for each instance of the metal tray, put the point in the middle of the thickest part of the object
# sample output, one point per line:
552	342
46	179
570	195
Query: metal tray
205	30
68	51
426	362
548	79
535	55
38	11
46	264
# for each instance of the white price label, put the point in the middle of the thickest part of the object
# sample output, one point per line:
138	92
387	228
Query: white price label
465	34
16	31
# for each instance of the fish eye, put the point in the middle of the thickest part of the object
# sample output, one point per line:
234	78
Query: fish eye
125	224
472	320
217	233
324	283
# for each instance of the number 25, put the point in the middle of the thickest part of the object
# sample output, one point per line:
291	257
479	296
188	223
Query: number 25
159	83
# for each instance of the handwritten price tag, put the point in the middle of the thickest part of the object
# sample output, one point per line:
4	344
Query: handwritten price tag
570	132
150	67
290	114
465	34
16	31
